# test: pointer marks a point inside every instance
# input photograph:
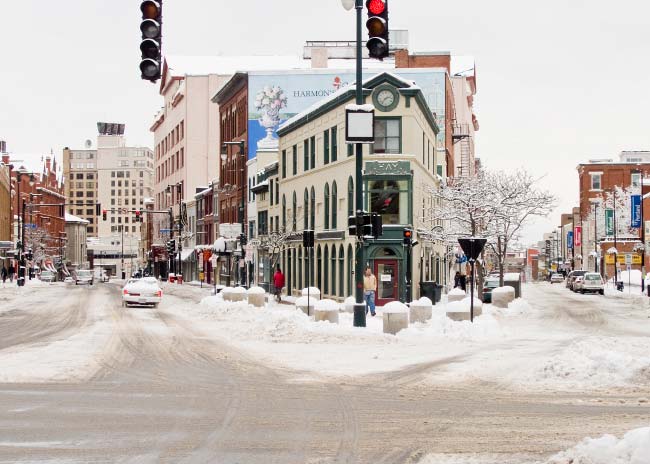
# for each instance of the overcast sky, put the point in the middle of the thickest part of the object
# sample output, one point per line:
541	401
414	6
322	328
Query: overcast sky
559	81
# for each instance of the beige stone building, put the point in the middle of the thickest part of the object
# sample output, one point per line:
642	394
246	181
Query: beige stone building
315	190
80	175
76	256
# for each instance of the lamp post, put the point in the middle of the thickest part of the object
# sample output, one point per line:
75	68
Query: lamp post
21	226
595	237
615	241
243	275
359	306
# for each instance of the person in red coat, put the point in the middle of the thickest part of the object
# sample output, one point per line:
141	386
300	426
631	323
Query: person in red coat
278	283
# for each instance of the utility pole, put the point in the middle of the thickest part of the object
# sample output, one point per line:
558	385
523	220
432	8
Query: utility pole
595	237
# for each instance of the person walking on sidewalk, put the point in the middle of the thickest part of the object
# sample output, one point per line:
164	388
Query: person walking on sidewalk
12	271
278	284
4	274
369	290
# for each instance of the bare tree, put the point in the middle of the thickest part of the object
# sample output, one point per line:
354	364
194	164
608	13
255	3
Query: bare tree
516	200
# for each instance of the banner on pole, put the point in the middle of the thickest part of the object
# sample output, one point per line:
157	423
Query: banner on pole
569	239
609	222
635	217
577	236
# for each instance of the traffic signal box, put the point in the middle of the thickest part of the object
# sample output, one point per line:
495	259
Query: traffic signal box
377	25
151	45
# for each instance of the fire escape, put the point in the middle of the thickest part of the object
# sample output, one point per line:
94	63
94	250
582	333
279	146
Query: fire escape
462	134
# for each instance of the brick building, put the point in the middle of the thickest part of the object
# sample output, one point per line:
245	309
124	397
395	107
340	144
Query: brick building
5	200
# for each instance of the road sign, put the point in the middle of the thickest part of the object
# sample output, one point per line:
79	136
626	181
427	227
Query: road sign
255	242
31	226
165	231
628	259
472	246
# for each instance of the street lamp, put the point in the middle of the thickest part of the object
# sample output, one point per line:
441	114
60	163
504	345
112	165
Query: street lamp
243	277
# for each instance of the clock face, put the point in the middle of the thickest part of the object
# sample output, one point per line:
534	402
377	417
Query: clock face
385	98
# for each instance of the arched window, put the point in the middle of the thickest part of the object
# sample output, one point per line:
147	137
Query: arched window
284	213
312	210
341	278
311	266
350	196
305	211
300	268
327	207
319	266
350	264
333	270
334	205
287	272
295	207
326	276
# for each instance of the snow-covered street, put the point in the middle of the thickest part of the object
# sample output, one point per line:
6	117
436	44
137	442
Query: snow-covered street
200	380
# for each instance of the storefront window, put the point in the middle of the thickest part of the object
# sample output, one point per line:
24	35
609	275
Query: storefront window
390	199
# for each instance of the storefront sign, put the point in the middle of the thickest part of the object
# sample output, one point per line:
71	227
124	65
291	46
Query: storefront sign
623	258
577	237
635	204
386	277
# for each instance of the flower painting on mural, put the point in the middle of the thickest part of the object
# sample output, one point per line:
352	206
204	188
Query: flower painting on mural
269	101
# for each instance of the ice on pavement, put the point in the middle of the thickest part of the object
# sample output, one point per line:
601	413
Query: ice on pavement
632	448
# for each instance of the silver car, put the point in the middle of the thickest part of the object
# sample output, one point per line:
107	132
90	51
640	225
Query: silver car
592	282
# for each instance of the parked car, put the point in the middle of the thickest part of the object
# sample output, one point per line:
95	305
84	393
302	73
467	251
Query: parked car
572	276
83	276
48	276
68	280
489	285
145	291
592	282
577	283
557	278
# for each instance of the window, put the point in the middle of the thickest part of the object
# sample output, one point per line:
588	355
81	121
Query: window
334	144
350	196
596	181
262	222
350	149
326	147
284	164
327	207
390	198
636	179
341	282
326	261
387	136
305	211
312	211
334	206
271	192
333	257
295	208
312	152
284	213
80	176
295	159
305	155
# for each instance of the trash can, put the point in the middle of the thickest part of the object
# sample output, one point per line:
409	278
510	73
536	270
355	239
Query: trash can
179	279
431	290
172	277
619	285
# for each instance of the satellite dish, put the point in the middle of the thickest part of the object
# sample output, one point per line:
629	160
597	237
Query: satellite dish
89	144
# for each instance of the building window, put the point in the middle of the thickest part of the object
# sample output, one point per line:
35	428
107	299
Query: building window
390	198
271	192
284	213
284	164
305	155
335	148
334	206
596	181
319	267
326	261
326	147
262	222
350	196
305	211
341	281
636	179
327	207
387	135
333	257
295	159
350	149
312	152
295	208
312	211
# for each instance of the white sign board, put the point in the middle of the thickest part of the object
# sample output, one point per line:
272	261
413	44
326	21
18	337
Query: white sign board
230	230
360	124
628	259
213	260
386	277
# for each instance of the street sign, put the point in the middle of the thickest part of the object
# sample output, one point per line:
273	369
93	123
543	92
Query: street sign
31	226
255	242
472	246
635	205
628	259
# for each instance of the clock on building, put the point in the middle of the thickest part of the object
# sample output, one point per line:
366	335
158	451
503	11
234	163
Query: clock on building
385	98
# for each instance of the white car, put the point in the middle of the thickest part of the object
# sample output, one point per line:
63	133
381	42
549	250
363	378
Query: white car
577	283
557	277
144	291
84	276
592	282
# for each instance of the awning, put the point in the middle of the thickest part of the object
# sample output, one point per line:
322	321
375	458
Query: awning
186	254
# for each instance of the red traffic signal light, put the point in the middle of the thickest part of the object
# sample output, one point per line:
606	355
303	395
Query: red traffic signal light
104	213
377	25
408	236
151	45
138	216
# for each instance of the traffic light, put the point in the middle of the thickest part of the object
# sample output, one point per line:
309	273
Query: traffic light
138	216
377	225
408	237
308	238
171	246
104	213
377	25
151	45
367	225
242	240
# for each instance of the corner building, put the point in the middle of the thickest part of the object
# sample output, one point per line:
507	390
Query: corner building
316	188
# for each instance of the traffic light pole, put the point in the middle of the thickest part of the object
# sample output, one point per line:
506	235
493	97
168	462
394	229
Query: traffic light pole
359	306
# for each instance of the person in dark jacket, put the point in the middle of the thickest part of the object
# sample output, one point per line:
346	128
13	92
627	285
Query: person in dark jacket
12	272
278	284
457	280
4	274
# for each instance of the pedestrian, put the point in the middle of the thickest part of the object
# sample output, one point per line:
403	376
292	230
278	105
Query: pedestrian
457	279
11	271
463	282
4	274
369	290
278	284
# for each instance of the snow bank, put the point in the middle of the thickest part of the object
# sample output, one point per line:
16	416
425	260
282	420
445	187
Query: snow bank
457	291
238	290
505	289
395	307
425	301
256	291
463	306
312	291
632	277
325	305
633	448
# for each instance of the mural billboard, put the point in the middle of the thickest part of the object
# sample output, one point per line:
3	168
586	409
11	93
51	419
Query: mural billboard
277	96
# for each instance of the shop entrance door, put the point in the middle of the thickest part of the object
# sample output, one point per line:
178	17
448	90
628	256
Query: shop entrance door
387	273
